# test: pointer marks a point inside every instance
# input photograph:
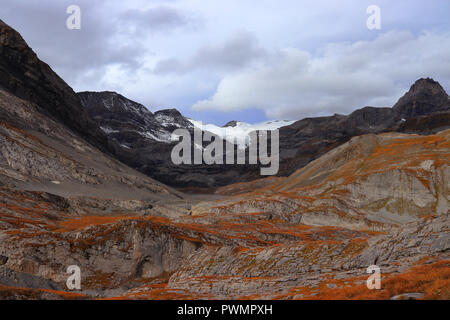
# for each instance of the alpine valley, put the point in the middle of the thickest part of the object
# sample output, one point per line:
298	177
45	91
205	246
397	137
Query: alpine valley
86	179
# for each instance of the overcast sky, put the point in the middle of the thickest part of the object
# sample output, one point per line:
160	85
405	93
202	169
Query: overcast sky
218	61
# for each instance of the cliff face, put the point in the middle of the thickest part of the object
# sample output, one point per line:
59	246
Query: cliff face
25	76
129	123
424	97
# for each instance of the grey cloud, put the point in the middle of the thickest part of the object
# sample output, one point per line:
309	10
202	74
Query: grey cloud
154	19
239	51
108	36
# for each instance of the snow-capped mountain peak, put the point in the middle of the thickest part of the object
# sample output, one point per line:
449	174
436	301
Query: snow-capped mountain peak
127	121
237	131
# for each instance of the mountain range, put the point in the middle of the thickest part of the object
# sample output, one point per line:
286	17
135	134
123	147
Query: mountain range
145	139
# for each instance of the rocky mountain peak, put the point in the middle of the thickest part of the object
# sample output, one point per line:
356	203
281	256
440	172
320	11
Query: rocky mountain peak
112	102
426	86
11	41
130	123
232	123
172	111
172	117
425	96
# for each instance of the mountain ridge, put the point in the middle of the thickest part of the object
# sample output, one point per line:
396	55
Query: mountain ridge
24	75
307	139
424	108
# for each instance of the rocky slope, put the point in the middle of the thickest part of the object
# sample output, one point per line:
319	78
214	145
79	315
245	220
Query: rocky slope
43	155
371	182
130	123
144	141
394	184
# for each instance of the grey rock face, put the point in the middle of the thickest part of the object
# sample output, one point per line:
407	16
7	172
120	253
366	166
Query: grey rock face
129	123
408	296
24	75
423	96
13	278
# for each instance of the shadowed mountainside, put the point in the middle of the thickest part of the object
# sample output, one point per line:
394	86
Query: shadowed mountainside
146	141
25	76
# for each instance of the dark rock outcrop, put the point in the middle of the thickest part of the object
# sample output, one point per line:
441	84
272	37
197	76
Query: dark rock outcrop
424	96
232	123
130	124
27	77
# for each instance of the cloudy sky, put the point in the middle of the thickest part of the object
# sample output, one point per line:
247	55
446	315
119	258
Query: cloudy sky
239	59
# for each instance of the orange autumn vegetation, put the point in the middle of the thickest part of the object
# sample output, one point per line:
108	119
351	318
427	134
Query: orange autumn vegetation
13	292
81	223
157	292
433	280
402	153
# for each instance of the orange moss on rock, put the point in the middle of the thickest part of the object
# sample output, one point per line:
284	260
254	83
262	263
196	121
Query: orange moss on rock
84	222
8	292
433	280
157	292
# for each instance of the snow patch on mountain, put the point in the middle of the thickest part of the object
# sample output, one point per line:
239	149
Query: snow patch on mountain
166	120
108	130
240	132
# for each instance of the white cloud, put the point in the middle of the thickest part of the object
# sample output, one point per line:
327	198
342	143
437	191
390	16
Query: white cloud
337	78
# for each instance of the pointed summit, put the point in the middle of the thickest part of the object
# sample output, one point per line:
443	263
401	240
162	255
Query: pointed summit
172	118
425	96
232	123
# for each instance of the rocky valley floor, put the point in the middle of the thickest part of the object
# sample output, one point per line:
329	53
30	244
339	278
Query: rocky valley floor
378	199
